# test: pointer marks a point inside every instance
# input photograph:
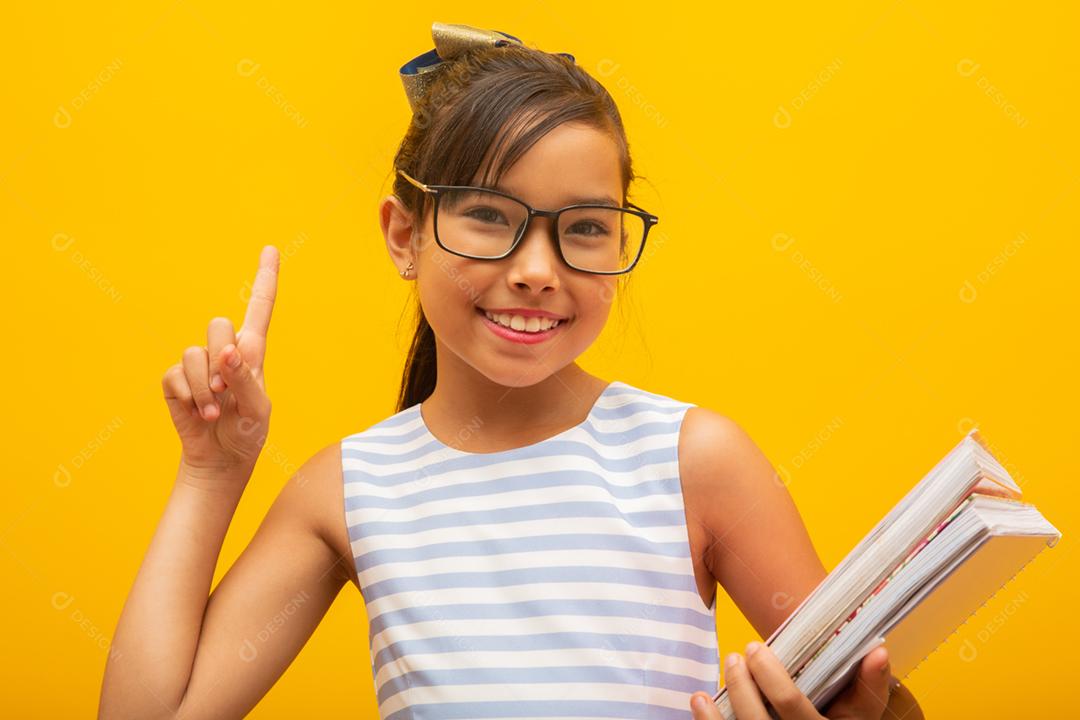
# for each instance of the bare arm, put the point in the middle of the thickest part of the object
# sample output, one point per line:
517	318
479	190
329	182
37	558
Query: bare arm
177	652
759	549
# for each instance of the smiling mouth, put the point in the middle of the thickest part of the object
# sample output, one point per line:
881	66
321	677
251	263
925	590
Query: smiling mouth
518	323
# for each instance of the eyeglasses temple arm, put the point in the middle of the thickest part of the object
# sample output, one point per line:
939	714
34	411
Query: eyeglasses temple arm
652	218
415	182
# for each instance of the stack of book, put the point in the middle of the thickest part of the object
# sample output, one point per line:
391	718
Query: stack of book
957	537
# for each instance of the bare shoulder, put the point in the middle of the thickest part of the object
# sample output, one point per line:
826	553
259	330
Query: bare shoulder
316	493
704	437
709	439
753	540
717	457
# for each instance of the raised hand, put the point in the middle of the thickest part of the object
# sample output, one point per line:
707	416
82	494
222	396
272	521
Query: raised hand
217	394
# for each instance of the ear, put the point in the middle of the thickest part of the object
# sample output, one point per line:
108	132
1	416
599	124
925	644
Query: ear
398	226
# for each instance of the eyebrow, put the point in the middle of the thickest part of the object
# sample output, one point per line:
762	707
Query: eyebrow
581	200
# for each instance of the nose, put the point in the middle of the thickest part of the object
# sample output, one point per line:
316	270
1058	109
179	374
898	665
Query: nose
535	261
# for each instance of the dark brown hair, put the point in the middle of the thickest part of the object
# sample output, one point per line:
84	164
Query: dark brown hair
494	103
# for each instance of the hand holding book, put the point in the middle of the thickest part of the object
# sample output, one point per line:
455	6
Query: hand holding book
760	684
959	535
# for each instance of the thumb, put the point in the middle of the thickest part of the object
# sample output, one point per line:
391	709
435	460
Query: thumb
703	708
239	378
868	693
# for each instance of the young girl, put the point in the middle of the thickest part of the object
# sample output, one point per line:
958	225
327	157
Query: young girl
530	540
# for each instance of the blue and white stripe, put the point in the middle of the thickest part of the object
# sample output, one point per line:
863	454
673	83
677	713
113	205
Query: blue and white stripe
547	581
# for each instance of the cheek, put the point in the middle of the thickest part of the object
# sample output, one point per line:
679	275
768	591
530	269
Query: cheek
596	299
592	301
449	292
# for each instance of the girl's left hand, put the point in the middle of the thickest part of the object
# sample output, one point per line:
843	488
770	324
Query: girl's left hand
864	698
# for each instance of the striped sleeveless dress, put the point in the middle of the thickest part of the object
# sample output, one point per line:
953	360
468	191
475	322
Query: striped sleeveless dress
552	580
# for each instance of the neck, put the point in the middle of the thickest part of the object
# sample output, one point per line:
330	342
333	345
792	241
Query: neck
478	414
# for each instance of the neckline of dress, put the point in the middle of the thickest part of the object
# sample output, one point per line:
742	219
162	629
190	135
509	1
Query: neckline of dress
444	448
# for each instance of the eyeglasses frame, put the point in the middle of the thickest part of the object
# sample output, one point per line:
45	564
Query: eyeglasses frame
631	208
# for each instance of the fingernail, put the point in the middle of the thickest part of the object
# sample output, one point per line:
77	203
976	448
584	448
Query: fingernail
207	409
752	648
234	358
733	660
698	703
217	383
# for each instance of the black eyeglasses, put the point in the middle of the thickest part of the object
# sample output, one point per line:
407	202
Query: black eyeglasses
486	224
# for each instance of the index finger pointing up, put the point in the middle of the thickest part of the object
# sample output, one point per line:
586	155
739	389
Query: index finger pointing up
263	292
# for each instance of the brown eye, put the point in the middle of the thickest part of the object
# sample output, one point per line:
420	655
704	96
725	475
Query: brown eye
484	214
587	228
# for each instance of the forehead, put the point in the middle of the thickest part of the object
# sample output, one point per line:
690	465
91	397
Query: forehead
570	164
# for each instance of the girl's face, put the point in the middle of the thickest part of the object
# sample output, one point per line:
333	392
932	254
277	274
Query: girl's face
571	164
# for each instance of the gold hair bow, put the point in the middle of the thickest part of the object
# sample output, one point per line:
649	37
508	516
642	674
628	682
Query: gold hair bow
418	74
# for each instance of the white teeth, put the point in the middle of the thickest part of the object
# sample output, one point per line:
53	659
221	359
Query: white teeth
521	323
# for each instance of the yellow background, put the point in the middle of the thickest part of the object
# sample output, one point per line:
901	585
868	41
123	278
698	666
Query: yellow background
868	242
